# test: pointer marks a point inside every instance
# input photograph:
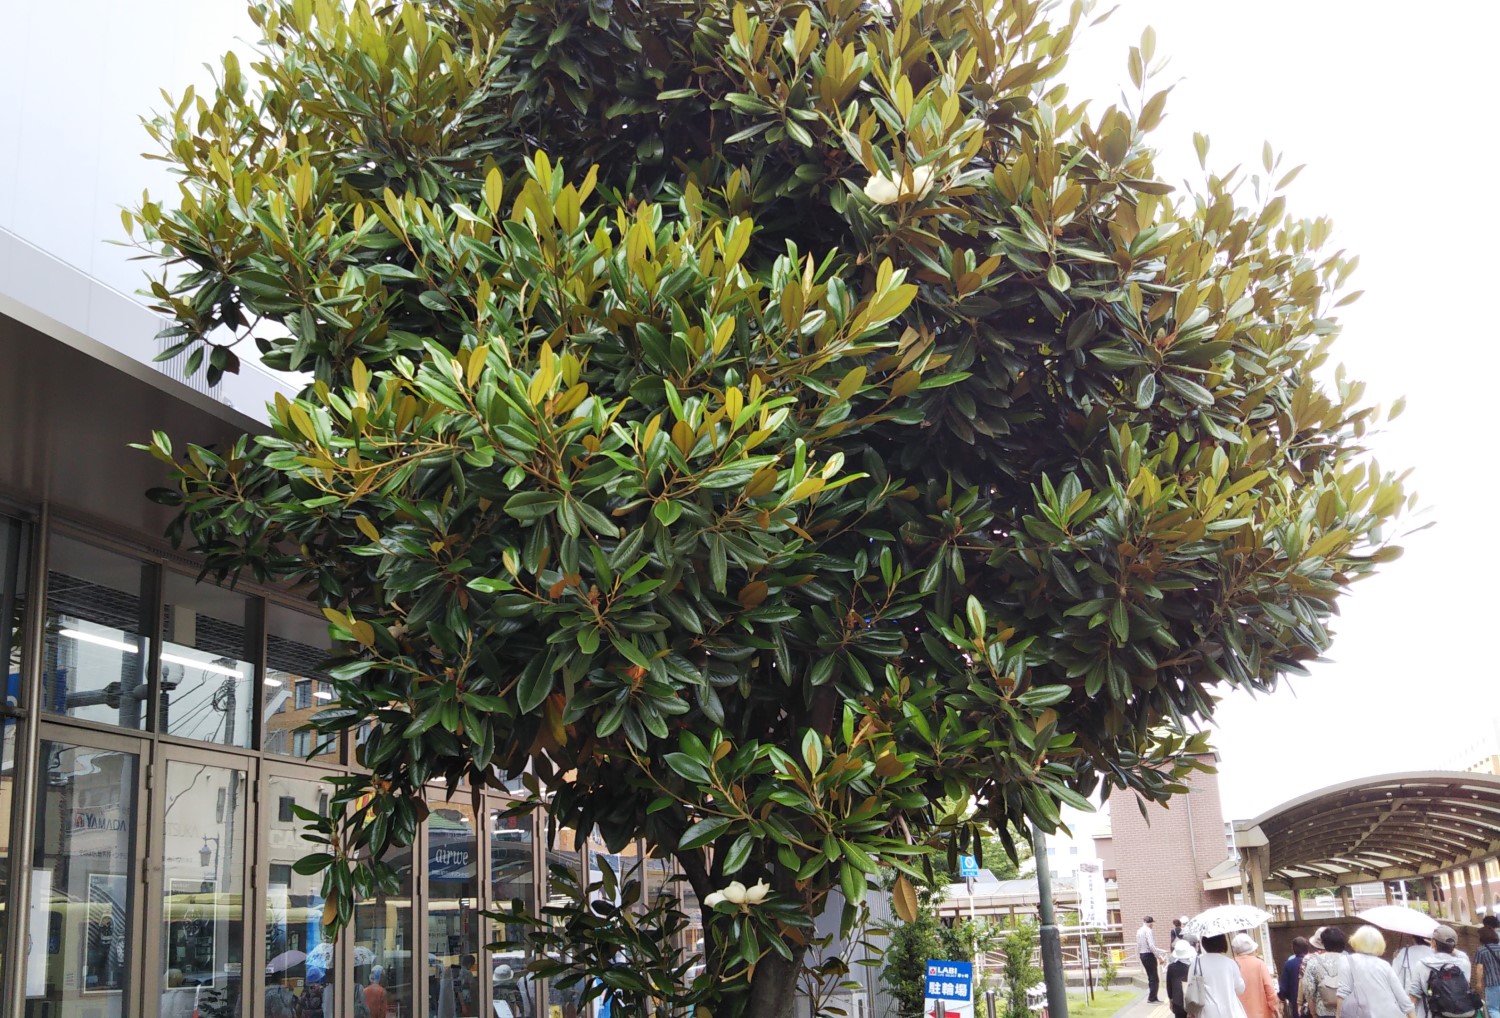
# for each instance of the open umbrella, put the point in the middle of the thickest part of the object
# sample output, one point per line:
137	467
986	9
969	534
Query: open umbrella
1400	919
284	961
1225	919
322	955
363	956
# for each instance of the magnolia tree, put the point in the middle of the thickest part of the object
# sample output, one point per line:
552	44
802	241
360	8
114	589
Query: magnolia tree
795	434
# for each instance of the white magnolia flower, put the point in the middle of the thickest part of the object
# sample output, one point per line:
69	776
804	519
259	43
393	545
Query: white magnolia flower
913	186
882	190
738	894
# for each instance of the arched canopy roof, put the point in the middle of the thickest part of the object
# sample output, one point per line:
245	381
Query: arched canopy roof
1393	827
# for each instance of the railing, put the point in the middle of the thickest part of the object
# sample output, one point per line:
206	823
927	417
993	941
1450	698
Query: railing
1080	964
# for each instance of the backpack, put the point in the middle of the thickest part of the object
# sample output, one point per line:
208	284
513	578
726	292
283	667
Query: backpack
1328	982
1448	993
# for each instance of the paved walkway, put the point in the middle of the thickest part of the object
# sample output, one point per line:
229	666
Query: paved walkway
1139	1008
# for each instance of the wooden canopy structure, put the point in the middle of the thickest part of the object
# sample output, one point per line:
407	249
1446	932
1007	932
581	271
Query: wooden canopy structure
1442	827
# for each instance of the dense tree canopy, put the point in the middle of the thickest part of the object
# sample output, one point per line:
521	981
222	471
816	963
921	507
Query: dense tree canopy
793	432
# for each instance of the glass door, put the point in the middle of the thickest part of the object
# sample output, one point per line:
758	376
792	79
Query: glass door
82	957
303	975
199	922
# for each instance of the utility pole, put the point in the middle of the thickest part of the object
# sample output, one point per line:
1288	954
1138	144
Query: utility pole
1052	963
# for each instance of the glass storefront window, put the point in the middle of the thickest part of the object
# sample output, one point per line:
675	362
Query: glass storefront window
562	851
512	881
453	917
12	616
8	733
300	970
295	645
384	967
657	878
207	674
12	610
203	894
100	608
81	960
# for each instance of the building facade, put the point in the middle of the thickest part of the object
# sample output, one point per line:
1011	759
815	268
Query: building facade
154	761
1162	860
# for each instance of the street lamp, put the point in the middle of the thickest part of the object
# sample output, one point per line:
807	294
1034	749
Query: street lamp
205	855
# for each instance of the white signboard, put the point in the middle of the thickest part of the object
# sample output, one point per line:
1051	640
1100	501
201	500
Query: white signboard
1093	905
36	941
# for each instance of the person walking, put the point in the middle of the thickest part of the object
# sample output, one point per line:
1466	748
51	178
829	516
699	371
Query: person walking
1370	988
1487	964
1426	983
1176	931
377	1001
1408	963
1183	956
1291	977
1259	996
1221	979
1145	945
1323	972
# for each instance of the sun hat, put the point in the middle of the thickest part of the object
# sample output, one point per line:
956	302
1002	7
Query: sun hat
1316	940
1444	935
1243	943
1182	950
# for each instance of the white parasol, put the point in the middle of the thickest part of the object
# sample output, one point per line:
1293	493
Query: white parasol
1399	919
284	961
1225	919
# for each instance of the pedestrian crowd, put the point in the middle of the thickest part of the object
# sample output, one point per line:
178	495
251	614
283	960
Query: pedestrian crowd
1332	974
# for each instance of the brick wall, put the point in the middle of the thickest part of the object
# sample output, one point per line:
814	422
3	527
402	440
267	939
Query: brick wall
1160	859
1104	848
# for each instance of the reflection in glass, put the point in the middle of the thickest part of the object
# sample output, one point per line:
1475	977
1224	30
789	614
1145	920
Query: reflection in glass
8	734
296	645
206	671
80	959
512	880
203	899
12	605
562	851
300	971
12	612
658	879
453	912
99	608
383	964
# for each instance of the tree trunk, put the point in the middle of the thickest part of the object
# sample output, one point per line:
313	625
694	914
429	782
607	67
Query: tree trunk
773	991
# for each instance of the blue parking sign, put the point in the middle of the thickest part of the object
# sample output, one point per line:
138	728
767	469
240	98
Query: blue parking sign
950	981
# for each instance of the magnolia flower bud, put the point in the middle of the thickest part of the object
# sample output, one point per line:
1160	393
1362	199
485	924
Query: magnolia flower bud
757	893
713	899
735	893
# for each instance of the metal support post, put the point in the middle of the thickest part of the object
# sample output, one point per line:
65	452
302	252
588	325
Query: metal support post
1052	963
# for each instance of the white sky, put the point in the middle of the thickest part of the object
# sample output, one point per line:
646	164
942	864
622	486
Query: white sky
1392	108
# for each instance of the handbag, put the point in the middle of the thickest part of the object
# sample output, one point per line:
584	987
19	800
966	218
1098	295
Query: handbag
1195	996
1354	1005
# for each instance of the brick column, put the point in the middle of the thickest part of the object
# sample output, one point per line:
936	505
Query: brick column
1469	882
